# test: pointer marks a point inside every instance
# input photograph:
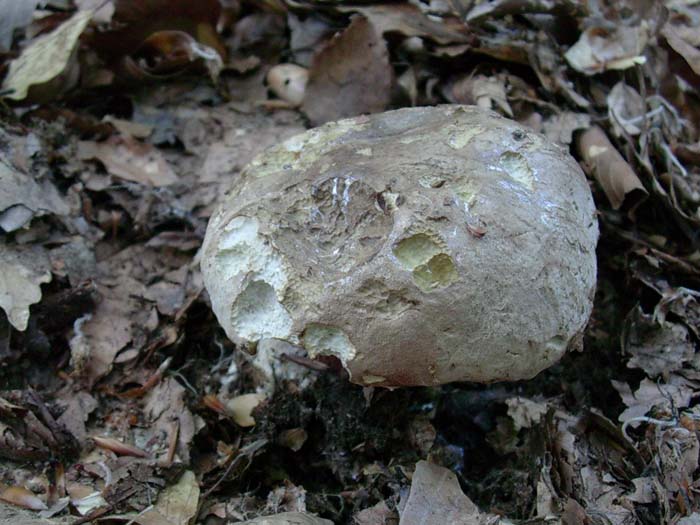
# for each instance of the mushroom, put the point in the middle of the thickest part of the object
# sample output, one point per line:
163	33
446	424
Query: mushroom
419	247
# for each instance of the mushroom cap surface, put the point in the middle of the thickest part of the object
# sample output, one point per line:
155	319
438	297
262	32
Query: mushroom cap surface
419	246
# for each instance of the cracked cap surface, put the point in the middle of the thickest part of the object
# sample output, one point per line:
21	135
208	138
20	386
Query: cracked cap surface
419	246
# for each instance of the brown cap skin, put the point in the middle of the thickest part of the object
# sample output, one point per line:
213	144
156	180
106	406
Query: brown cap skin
420	246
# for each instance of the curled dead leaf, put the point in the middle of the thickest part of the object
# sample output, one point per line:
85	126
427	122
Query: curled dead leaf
599	49
119	448
22	498
619	182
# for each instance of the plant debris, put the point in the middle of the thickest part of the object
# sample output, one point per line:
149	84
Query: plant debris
123	123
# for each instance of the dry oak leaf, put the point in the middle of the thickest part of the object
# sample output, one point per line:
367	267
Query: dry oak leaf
684	41
288	518
436	498
46	57
599	50
408	20
129	159
22	197
350	76
22	272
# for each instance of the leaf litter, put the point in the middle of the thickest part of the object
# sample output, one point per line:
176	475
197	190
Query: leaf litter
121	401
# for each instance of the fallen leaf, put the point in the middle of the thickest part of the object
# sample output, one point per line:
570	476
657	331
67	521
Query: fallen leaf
88	503
643	490
407	20
693	519
436	498
46	57
686	49
22	272
22	498
525	413
119	448
599	49
130	159
176	505
379	514
169	418
165	53
619	182
305	36
482	91
657	347
560	128
288	518
78	407
350	76
15	14
99	336
103	10
678	450
662	397
22	198
499	8
134	21
286	498
625	109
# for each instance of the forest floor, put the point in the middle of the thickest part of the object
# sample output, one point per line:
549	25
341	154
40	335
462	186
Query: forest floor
122	401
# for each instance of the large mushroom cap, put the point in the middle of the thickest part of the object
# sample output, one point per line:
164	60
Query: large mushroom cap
419	246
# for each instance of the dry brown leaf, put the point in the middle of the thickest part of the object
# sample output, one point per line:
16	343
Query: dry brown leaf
22	198
22	272
135	20
78	407
643	490
22	498
407	20
288	518
293	438
176	505
130	159
119	448
599	50
305	35
657	347
499	8
485	92
437	498
169	418
99	336
46	57
625	109
663	397
379	514
350	76
560	128
682	46
678	457
619	182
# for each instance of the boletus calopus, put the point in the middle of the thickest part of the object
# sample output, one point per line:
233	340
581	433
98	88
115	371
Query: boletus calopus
419	246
